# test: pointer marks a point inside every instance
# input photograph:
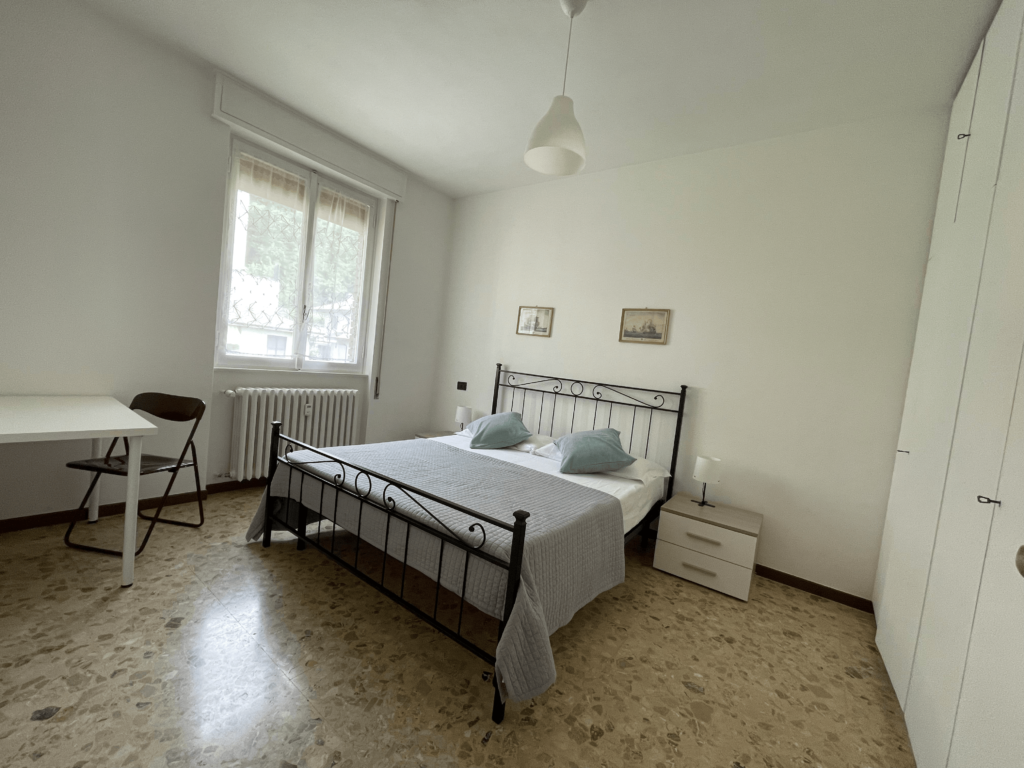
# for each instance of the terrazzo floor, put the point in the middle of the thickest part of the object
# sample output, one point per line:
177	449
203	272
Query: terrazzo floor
228	654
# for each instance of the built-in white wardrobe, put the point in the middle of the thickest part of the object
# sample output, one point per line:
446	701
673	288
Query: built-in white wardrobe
949	600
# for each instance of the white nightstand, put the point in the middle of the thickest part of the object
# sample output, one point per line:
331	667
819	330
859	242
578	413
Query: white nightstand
428	435
713	546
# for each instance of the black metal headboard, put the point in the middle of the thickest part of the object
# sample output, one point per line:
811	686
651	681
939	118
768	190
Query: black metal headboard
544	401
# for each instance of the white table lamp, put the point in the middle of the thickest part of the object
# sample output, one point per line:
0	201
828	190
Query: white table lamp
463	416
707	469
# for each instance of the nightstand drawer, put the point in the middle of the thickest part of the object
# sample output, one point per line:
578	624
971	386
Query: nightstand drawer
734	547
703	569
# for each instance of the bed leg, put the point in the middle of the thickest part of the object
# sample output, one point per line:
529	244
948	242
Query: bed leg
515	570
275	438
301	528
498	711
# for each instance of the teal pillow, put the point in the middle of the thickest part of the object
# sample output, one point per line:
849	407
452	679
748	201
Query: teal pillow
499	430
599	450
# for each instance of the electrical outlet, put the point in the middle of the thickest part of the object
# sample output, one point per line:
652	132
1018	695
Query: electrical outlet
461	385
309	409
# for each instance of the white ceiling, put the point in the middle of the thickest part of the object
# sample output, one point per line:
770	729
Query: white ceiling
451	89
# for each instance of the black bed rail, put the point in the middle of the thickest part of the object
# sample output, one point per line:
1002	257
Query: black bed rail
447	536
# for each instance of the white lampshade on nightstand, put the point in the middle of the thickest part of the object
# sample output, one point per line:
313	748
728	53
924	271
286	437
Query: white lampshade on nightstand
707	469
463	416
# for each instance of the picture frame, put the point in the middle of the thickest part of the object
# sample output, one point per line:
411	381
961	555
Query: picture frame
535	321
644	326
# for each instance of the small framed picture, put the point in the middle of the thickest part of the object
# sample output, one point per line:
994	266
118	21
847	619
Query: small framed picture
644	326
535	321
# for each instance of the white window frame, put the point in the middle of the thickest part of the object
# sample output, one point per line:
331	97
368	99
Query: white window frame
314	181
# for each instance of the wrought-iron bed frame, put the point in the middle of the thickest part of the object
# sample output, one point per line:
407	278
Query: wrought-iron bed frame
516	382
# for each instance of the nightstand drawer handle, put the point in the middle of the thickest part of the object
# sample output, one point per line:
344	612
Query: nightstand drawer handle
698	568
698	537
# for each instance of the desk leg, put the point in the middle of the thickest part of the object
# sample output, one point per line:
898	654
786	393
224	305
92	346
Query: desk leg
94	500
131	511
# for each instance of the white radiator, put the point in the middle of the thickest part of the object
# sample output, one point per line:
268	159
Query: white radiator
318	417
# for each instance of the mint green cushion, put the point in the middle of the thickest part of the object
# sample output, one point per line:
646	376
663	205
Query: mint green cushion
598	450
499	430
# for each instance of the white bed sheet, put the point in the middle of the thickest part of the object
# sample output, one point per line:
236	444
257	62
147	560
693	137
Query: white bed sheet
635	497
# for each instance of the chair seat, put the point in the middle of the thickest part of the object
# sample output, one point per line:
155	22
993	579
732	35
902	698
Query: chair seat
118	465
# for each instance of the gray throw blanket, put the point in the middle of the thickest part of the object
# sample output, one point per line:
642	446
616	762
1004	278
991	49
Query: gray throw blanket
573	548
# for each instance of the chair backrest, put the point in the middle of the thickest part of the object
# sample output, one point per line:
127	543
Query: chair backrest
169	407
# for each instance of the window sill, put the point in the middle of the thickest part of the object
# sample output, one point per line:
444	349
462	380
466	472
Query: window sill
256	369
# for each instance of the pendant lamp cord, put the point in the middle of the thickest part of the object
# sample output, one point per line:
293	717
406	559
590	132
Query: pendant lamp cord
568	45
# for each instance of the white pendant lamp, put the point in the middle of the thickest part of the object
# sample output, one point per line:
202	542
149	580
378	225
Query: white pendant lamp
557	146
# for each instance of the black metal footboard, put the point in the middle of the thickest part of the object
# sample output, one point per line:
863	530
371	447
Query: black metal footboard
294	518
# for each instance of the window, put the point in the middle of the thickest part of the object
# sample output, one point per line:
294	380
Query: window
296	268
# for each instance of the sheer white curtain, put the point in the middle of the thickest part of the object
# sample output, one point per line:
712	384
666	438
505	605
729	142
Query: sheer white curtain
339	262
271	183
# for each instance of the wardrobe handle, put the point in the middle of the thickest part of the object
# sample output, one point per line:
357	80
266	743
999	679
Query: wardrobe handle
698	537
1020	560
698	568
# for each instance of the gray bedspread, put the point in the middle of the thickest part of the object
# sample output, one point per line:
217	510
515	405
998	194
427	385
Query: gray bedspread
573	548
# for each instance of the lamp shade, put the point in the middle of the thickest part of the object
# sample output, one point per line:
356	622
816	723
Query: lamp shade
463	415
557	147
707	469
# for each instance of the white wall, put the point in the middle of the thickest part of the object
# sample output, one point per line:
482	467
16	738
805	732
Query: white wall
111	211
412	336
793	268
111	205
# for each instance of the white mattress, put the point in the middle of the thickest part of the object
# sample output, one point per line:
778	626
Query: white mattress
635	497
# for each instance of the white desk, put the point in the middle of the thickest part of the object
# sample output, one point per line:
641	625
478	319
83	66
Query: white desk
30	418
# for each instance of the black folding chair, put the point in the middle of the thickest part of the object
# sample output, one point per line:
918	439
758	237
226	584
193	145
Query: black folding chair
170	408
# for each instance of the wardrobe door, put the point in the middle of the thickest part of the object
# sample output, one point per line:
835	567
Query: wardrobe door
989	727
929	413
986	401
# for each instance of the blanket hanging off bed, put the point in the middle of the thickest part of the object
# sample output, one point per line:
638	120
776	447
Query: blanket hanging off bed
573	549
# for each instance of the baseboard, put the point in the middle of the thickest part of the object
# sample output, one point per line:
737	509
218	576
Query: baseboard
106	510
860	603
235	485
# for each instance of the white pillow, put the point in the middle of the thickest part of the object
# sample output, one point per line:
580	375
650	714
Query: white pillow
643	470
533	443
549	451
464	433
